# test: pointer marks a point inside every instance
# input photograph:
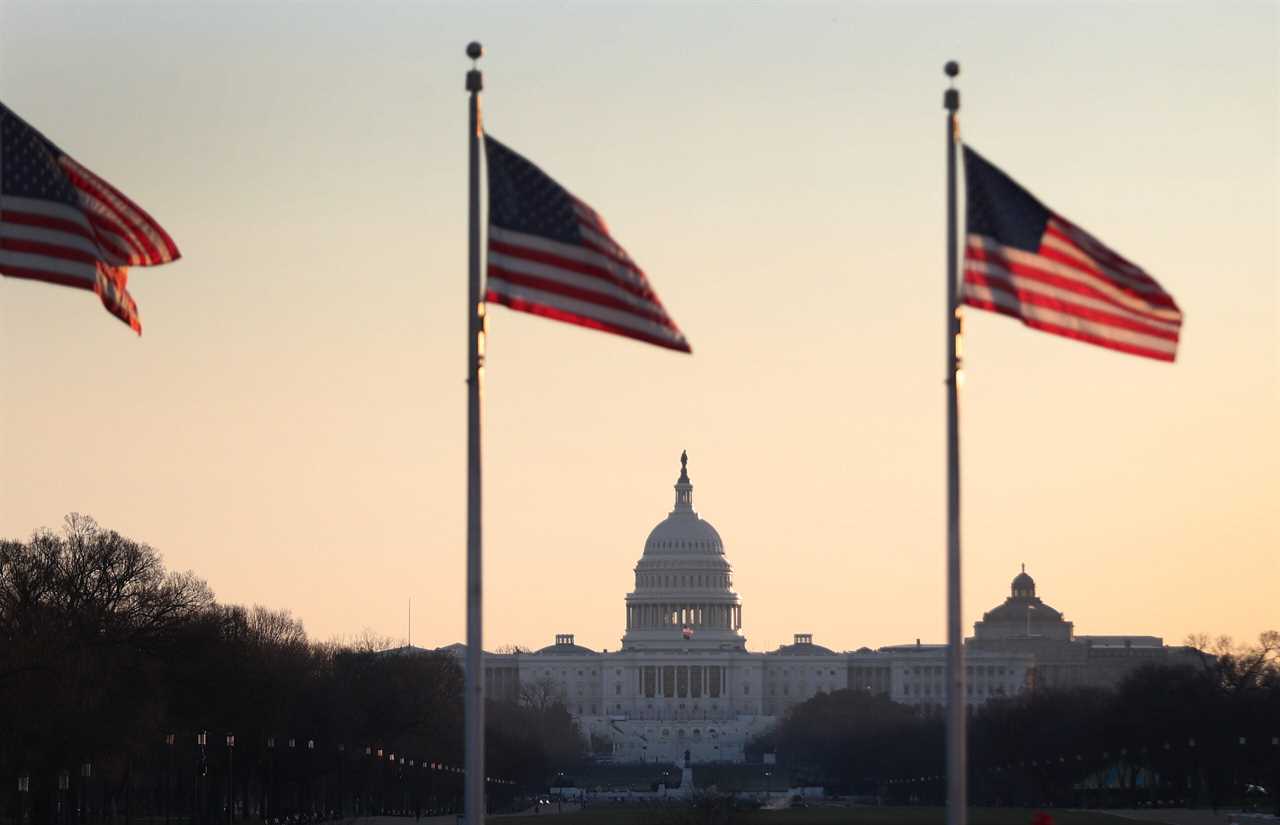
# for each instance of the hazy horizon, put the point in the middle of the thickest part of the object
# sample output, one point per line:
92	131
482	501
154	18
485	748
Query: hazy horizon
291	426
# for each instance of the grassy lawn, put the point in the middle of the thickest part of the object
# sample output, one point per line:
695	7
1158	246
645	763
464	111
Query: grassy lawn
818	816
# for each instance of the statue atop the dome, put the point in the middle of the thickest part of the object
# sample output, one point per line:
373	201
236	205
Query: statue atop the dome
684	466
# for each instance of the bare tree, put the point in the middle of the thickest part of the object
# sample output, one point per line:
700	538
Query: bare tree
542	694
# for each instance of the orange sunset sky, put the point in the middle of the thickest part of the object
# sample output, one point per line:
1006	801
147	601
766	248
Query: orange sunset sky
291	425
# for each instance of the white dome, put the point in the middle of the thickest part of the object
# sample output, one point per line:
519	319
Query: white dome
683	532
683	592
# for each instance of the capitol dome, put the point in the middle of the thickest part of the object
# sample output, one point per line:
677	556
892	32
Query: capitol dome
683	593
683	530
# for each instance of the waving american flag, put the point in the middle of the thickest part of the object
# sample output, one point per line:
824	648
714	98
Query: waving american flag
550	254
62	224
1023	260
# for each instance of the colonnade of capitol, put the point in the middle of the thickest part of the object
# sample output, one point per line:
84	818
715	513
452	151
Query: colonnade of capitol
684	680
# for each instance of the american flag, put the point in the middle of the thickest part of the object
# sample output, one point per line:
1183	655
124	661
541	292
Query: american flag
550	254
1023	260
62	224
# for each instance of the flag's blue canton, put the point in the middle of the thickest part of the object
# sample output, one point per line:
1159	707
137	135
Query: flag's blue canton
523	198
30	168
998	208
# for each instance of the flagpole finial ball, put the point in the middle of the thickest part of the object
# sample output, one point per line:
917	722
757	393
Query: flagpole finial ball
474	50
952	68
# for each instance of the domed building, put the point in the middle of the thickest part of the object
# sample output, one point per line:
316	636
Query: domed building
684	679
683	597
1025	624
1023	614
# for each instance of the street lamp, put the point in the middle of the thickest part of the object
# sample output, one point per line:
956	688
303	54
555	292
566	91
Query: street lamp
269	801
231	777
169	740
311	747
202	771
64	783
24	788
86	773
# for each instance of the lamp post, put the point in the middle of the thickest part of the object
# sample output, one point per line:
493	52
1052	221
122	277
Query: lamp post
167	797
64	784
24	788
311	749
363	806
202	771
86	773
231	777
269	792
342	771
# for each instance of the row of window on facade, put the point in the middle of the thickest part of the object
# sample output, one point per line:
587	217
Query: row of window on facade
969	688
799	671
716	615
692	580
666	734
682	545
680	681
972	670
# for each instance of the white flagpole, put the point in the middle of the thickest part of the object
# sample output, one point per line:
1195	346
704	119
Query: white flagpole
957	750
473	725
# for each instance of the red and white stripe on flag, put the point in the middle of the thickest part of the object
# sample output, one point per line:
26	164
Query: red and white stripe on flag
62	224
552	255
1023	260
1074	287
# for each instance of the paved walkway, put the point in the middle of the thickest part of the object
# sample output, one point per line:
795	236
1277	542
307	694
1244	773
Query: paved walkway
450	819
1189	816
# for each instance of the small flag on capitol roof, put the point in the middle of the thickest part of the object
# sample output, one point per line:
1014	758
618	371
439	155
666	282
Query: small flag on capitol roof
1023	260
550	254
62	224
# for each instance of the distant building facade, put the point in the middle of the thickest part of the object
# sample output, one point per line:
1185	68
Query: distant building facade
1025	624
684	680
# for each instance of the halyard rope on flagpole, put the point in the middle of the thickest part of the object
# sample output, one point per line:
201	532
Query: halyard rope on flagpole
473	725
957	752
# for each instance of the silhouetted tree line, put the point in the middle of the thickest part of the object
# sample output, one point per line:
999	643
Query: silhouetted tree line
122	685
1206	735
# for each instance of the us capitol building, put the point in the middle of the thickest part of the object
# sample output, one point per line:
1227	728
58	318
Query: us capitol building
685	680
